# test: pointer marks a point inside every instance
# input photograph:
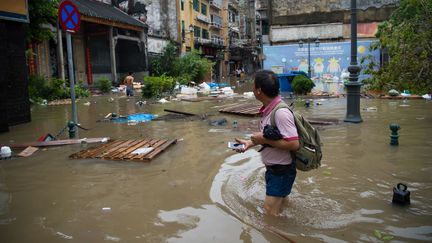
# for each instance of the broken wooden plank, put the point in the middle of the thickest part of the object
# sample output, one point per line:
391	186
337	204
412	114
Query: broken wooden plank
149	143
323	121
58	142
156	146
198	99
242	109
129	150
152	154
123	147
180	112
123	150
94	151
28	151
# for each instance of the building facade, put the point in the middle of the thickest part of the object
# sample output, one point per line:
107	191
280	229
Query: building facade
14	99
314	37
201	27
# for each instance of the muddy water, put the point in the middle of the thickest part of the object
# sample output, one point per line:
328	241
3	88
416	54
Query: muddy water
200	191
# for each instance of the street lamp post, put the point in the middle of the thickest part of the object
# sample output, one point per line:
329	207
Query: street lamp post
353	86
317	42
284	60
191	32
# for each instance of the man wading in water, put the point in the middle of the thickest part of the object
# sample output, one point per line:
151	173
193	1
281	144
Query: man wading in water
129	84
280	166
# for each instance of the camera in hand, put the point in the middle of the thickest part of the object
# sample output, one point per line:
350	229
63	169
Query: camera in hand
272	133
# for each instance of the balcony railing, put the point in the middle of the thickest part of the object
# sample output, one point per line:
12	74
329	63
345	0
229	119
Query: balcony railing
217	41
203	18
216	25
216	4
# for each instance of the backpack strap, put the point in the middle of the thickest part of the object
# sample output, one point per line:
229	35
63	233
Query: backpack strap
273	113
273	122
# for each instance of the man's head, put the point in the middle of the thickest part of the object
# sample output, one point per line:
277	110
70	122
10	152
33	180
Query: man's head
266	83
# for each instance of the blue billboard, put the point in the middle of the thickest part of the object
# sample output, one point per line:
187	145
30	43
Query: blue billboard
329	61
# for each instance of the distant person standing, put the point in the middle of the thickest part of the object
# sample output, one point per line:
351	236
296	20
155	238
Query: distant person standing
238	72
128	81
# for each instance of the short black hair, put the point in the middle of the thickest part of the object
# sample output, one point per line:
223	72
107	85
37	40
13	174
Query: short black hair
268	82
130	73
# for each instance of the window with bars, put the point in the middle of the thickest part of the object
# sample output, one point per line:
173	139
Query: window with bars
197	31
205	34
196	5
204	9
182	4
183	28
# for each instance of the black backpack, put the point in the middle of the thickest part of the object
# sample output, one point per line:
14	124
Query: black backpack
309	154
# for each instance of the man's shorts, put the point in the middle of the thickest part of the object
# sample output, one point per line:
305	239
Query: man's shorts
280	179
129	91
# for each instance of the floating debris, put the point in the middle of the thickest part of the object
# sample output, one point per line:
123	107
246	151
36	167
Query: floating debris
134	150
242	109
370	109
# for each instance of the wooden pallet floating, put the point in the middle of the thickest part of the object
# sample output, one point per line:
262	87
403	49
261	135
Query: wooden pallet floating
124	150
242	109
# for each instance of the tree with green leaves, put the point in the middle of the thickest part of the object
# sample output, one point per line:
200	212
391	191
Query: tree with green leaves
407	36
190	67
193	66
164	64
41	12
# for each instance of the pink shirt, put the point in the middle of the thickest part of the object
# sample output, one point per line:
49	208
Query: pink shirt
284	120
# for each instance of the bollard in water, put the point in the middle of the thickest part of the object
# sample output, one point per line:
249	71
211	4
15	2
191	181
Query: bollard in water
401	195
394	137
72	129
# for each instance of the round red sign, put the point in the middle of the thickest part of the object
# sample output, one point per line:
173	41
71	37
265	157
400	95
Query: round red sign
69	17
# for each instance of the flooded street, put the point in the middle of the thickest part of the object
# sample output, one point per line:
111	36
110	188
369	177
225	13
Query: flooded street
200	191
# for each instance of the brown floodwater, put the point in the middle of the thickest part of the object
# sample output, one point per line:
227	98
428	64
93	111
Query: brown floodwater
200	191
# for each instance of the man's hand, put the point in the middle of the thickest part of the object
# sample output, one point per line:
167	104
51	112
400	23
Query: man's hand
247	144
258	138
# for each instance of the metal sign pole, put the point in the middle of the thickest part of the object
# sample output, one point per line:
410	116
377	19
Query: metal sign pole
71	78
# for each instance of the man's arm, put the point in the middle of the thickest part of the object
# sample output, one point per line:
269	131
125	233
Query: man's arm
284	120
292	145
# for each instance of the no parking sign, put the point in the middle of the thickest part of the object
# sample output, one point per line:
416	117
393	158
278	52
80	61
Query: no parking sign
70	20
69	17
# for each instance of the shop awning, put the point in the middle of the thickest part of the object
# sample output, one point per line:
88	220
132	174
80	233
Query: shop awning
101	13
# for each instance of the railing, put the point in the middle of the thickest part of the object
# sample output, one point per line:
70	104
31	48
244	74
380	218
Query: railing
216	3
217	41
203	18
216	25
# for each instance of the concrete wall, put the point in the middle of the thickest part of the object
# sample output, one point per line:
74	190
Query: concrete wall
296	12
162	18
297	32
156	45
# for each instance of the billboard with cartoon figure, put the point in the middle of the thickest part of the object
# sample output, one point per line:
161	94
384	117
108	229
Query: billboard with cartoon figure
329	61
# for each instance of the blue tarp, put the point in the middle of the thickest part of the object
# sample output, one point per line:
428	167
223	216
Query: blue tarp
216	85
285	80
139	117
